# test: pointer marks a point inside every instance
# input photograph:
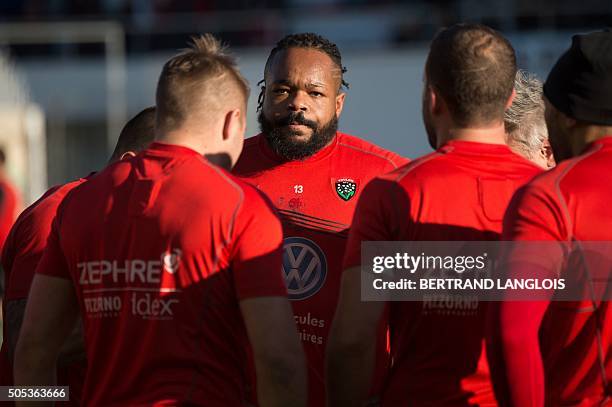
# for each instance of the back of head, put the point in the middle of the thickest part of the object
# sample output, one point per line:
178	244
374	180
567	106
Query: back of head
198	83
580	83
472	67
524	120
579	94
136	135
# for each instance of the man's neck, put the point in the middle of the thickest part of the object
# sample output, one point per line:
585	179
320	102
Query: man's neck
586	136
490	135
180	138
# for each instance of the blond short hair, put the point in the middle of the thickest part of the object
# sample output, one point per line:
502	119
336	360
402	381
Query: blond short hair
202	77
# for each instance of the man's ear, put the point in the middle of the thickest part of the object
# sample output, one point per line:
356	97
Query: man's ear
234	124
510	99
435	104
127	155
340	103
547	154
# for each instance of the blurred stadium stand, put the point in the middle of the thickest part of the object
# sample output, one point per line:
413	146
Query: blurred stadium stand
90	64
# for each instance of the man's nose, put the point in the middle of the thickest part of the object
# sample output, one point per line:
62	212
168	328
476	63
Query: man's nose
297	102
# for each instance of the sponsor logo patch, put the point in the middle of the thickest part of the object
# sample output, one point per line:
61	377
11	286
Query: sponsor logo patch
304	266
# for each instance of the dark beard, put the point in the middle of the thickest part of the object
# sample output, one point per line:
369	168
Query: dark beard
282	143
558	140
561	151
431	134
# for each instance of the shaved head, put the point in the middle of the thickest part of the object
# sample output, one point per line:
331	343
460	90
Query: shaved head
472	67
136	135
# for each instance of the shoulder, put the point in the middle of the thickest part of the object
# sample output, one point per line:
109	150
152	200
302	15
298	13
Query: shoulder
434	164
407	178
549	182
252	142
229	190
34	222
252	205
370	151
46	206
250	150
109	177
543	192
251	159
251	198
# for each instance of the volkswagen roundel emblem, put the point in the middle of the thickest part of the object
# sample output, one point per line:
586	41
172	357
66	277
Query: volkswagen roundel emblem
304	266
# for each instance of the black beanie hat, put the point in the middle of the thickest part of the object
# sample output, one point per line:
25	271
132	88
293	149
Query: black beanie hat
580	83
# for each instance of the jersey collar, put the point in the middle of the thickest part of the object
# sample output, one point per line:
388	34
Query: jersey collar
602	142
473	147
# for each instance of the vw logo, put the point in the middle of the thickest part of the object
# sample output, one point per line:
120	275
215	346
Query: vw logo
305	267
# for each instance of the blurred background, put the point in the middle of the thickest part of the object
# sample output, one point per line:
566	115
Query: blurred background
73	71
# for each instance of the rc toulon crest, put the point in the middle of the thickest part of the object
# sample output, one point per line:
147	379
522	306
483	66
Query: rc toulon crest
346	188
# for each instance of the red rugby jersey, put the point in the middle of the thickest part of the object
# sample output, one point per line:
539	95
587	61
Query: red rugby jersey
569	202
22	251
316	198
10	205
161	248
459	192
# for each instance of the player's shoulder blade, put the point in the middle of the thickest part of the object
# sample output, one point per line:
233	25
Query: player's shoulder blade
252	141
250	148
251	158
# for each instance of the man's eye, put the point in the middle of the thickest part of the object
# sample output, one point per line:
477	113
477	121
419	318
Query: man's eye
280	91
316	94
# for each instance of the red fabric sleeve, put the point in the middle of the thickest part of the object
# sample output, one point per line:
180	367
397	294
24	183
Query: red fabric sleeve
534	214
24	249
53	262
513	353
257	248
378	217
9	205
27	240
8	254
513	339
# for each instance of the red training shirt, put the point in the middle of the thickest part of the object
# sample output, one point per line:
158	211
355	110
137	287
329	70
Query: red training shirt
10	205
21	254
569	202
161	248
316	198
458	193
